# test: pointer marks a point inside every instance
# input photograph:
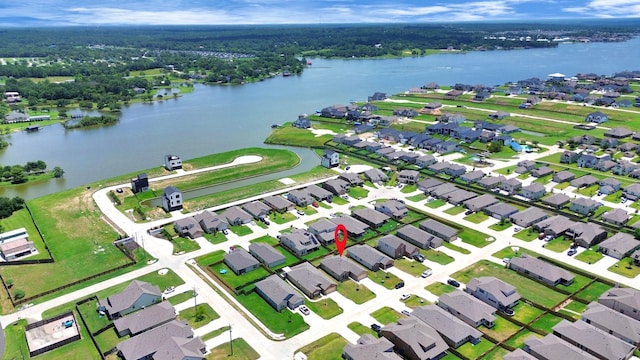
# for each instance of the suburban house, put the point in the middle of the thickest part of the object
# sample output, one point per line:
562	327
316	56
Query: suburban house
540	270
553	226
472	177
279	203
616	217
552	347
330	159
584	181
541	171
188	227
415	340
426	160
257	209
584	206
481	202
454	331
15	244
441	191
211	222
311	281
618	133
240	261
368	347
355	228
527	164
605	165
439	229
300	242
613	322
619	245
319	193
137	295
323	230
175	338
563	176
145	319
371	217
569	157
371	258
596	117
632	192
467	308
395	209
609	186
302	122
266	254
237	216
336	186
428	184
585	234
459	196
342	268
534	191
511	186
518	354
418	237
624	168
171	199
300	197
352	178
172	162
140	183
528	217
500	210
494	292
278	293
587	160
408	176
396	248
622	300
593	340
556	200
376	176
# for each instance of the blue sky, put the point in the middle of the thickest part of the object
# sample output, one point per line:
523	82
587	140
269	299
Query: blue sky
213	12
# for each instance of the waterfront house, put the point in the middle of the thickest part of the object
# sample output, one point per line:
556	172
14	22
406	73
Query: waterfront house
597	117
171	199
140	183
330	159
302	122
172	162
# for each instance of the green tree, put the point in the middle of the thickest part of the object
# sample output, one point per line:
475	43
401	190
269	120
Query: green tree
18	175
495	146
58	172
18	294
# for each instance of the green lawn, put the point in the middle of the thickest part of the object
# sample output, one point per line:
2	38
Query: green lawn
518	339
526	287
289	258
590	256
387	227
22	219
210	258
386	315
328	347
95	321
497	354
455	210
525	313
510	251
282	218
558	244
285	322
414	301
266	239
339	201
184	245
325	307
474	237
360	329
241	230
236	281
292	136
355	292
576	306
435	203
180	298
472	351
241	350
215	333
625	267
477	217
546	323
456	248
322	251
501	330
108	339
217	238
437	256
15	341
417	198
81	349
412	216
501	226
526	235
386	279
199	315
410	267
357	192
593	291
408	189
438	288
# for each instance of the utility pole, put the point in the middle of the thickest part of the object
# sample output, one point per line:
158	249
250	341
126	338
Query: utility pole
230	339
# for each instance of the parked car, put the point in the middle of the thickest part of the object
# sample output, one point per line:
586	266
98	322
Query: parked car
400	285
427	273
169	290
572	252
468	212
225	231
506	260
453	283
347	168
516	229
376	327
508	311
315	204
119	190
300	212
406	313
346	197
404	297
418	257
541	236
304	310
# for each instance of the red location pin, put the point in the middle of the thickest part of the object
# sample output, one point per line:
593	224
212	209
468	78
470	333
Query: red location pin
340	243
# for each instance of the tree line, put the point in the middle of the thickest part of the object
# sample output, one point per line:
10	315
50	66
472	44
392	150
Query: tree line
18	174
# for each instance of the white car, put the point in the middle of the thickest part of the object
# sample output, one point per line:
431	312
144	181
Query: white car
304	310
169	290
516	229
404	297
506	260
427	273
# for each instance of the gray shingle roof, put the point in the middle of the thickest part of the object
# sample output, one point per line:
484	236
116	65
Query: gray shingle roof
556	199
121	301
593	339
620	242
234	213
504	293
240	258
481	202
278	290
340	265
256	208
149	342
518	354
266	252
626	296
146	318
552	347
423	341
445	323
439	227
368	254
278	202
309	278
370	348
609	319
370	215
468	306
541	268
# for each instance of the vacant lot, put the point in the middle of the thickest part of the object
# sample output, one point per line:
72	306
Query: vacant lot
328	347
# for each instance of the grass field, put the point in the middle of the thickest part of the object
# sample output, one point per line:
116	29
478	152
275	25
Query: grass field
386	279
326	308
360	329
625	267
472	351
199	315
455	210
413	268
386	315
525	313
501	330
593	291
590	256
438	288
328	347
546	322
289	135
235	281
437	256
435	203
286	322
456	248
415	301
518	339
180	298
355	292
241	351
477	217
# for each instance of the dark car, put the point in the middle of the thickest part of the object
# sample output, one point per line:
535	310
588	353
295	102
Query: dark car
508	311
418	257
572	252
453	283
376	327
400	285
468	212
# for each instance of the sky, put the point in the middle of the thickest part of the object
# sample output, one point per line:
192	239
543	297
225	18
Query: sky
229	12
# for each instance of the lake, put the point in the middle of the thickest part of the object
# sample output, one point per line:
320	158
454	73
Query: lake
219	118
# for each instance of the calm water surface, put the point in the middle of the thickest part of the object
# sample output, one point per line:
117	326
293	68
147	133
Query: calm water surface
219	118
